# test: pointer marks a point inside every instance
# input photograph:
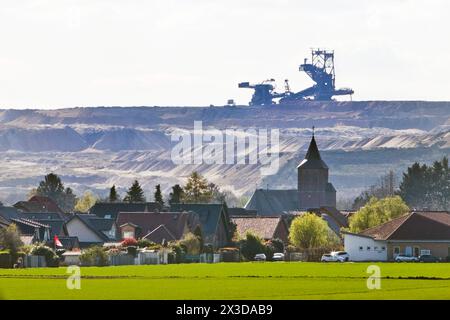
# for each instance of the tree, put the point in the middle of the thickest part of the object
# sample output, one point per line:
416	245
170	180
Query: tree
10	240
177	194
251	246
135	193
197	189
309	231
158	195
113	196
86	202
53	188
427	187
192	243
385	187
376	212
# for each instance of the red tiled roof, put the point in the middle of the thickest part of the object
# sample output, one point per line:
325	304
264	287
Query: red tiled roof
431	225
175	222
264	227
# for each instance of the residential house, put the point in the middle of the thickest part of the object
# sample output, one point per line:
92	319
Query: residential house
266	228
31	231
110	210
413	234
158	227
40	204
214	221
91	229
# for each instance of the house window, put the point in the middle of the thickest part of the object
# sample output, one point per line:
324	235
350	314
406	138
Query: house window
368	248
360	248
127	234
416	251
425	252
396	251
383	248
107	216
375	248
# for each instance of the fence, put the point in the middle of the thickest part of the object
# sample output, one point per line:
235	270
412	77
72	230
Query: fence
121	260
31	261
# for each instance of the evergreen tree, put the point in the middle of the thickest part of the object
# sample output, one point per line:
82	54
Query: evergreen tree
427	187
135	193
177	194
158	195
53	188
197	189
113	196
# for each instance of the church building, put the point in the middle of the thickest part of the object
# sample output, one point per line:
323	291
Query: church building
313	189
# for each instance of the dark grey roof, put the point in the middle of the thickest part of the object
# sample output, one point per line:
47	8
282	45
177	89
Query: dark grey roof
102	209
56	226
241	212
41	215
9	213
96	224
330	187
209	214
312	159
273	202
69	242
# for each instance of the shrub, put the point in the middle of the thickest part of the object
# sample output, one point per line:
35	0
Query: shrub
192	243
278	245
5	259
178	250
129	242
132	251
269	250
144	243
251	245
51	258
94	256
10	239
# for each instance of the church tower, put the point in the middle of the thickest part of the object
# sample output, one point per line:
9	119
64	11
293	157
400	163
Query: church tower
314	190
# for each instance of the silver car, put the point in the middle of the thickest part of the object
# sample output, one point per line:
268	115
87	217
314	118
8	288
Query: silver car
260	257
405	258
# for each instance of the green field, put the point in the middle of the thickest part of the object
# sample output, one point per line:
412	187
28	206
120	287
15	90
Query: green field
232	281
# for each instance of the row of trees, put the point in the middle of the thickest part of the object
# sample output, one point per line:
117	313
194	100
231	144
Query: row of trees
421	187
196	190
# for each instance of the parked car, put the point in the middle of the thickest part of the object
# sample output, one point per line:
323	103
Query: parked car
428	258
260	257
341	256
278	256
329	258
405	258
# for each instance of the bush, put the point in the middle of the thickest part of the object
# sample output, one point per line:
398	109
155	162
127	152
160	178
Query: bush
51	258
269	250
5	259
144	243
251	245
129	242
178	250
278	245
132	251
94	256
192	244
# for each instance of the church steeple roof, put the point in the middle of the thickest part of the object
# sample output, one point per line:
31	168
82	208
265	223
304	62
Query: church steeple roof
313	152
312	159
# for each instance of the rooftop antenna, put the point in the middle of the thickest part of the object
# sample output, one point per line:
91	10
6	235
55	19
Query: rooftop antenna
313	128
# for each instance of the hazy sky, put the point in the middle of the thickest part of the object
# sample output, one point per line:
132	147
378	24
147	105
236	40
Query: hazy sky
64	53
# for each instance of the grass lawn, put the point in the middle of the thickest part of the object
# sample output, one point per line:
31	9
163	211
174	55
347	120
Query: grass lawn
232	281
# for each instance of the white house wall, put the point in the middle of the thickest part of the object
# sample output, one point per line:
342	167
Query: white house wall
371	250
76	228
